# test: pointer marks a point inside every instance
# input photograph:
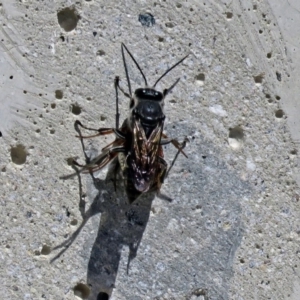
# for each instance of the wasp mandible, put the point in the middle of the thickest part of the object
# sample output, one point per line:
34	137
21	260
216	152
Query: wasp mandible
138	143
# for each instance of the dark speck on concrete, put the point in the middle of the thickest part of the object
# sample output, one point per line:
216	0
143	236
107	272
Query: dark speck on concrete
146	19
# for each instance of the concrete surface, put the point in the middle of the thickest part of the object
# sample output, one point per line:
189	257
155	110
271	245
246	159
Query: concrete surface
232	230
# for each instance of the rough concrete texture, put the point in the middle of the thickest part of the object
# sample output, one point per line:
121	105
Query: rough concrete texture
232	229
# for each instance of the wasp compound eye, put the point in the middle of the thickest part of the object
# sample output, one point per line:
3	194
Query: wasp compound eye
148	94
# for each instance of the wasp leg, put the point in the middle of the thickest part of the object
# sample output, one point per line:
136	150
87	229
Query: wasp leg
175	143
183	144
97	163
117	79
102	160
117	86
160	181
101	131
115	172
116	142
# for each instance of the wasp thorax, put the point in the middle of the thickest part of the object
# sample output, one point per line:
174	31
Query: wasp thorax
149	112
148	94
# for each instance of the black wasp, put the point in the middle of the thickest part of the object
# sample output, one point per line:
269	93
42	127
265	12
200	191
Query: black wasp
138	143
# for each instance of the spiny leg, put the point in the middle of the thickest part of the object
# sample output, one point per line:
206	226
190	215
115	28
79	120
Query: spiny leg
175	143
183	144
117	79
102	160
117	85
160	180
101	131
78	124
97	163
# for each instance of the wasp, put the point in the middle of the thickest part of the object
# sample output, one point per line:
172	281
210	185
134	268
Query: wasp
138	142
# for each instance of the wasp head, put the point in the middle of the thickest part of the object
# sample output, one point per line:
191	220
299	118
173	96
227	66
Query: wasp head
148	108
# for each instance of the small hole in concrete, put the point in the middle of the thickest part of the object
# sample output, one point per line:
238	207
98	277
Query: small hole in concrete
161	39
200	78
88	98
147	19
81	290
259	78
279	113
235	138
11	77
38	131
67	211
242	261
294	152
169	24
59	94
278	76
103	118
236	133
53	105
15	288
74	222
68	18
70	161
200	292
260	31
178	5
269	55
229	15
100	53
277	98
18	154
46	250
102	296
76	109
52	131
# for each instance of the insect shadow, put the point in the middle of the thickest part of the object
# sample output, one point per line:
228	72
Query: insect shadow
121	224
136	172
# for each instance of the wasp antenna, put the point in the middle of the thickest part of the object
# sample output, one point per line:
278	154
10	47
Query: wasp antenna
126	70
137	65
163	75
167	91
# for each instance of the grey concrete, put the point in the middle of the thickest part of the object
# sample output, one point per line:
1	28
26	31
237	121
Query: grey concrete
232	229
